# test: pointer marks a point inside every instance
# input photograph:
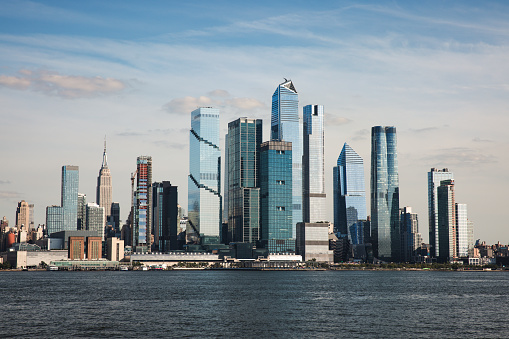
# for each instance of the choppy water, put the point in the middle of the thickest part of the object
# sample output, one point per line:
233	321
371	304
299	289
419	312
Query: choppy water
247	304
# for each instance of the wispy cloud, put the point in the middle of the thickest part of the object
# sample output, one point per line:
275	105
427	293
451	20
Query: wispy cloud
188	104
9	195
362	134
335	120
477	139
65	86
4	182
460	156
423	130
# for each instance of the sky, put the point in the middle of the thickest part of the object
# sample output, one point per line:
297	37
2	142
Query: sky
73	72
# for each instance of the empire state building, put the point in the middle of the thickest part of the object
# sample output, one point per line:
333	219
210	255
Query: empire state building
104	187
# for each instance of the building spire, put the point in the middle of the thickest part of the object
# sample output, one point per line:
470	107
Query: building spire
105	158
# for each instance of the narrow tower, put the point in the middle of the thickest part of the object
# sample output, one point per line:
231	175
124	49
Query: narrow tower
104	187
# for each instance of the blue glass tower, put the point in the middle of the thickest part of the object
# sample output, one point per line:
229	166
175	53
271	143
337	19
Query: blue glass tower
243	182
142	230
204	187
276	196
349	194
385	226
286	126
69	197
313	200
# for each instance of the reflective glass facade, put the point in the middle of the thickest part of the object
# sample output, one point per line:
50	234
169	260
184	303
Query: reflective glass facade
243	163
54	219
70	186
286	126
446	221
434	178
204	192
313	200
410	236
95	219
349	194
142	205
385	228
276	196
165	216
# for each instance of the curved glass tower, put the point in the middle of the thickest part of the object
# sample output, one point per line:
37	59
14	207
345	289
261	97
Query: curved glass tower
204	195
349	191
286	126
385	228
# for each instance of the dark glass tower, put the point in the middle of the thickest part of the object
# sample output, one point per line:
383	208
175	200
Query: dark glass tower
243	182
385	226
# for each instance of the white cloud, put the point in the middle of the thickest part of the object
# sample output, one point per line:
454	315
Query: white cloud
65	86
245	104
189	104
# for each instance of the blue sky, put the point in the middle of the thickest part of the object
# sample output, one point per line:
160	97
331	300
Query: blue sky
72	72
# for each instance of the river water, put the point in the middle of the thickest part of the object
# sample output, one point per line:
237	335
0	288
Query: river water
249	304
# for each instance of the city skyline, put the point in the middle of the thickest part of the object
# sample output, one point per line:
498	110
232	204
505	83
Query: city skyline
435	71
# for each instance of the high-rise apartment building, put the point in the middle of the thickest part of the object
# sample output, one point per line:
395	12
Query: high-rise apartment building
82	211
435	176
243	182
286	126
462	244
385	228
204	185
104	186
142	225
95	219
70	186
446	221
411	239
23	215
31	217
349	194
276	200
313	178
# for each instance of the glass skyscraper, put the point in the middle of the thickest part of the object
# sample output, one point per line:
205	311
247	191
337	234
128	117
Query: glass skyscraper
313	200
243	183
165	216
385	226
286	126
349	193
142	230
435	176
276	197
462	230
204	187
446	221
54	219
69	197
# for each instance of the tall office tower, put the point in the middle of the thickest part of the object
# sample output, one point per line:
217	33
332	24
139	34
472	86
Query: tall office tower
70	186
461	230
243	144
286	126
385	231
31	217
349	193
142	225
95	219
313	183
82	211
276	197
435	176
470	231
170	222
204	186
446	221
104	187
157	213
115	216
22	215
54	219
411	239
